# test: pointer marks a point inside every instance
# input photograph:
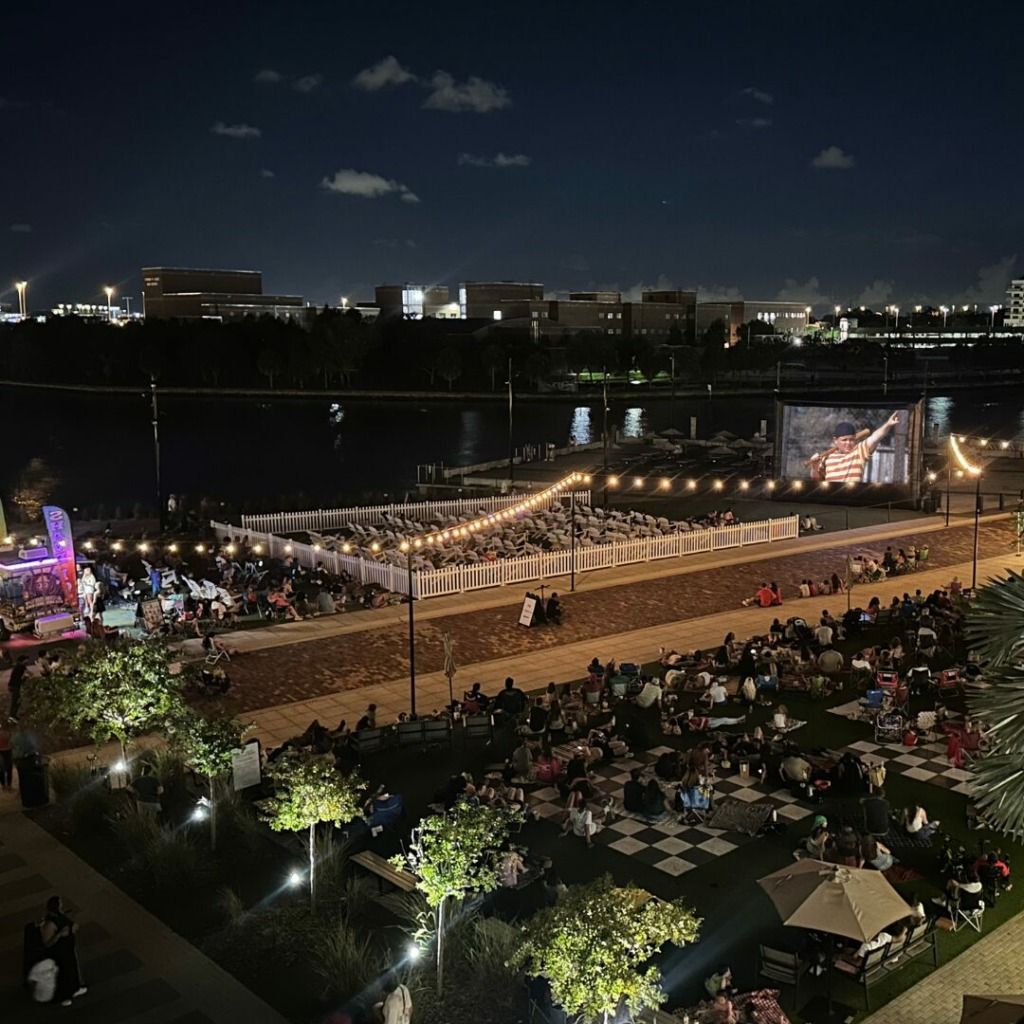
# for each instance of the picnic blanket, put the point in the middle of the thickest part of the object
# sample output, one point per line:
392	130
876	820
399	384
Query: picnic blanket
897	838
739	816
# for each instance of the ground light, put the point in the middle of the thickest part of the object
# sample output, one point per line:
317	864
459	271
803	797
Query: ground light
413	952
295	878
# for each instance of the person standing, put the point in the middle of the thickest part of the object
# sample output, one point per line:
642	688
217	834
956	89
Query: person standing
397	1005
6	757
14	684
58	933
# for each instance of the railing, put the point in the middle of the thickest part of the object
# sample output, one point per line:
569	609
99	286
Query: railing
456	579
369	515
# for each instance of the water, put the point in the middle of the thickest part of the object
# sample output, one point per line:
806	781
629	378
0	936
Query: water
258	452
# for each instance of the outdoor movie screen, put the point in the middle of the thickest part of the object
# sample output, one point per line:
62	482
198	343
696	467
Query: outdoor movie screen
849	444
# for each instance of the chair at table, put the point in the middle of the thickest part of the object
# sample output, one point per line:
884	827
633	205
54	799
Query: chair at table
782	968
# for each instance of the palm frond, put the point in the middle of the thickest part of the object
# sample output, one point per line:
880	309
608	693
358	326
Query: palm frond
999	785
995	623
998	702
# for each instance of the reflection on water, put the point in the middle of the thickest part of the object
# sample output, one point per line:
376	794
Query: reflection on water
471	430
937	415
580	430
634	422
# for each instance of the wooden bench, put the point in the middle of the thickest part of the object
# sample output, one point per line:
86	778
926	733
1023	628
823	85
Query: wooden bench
385	872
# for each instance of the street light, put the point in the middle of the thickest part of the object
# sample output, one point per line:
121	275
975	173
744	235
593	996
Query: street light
407	548
22	286
110	294
977	527
992	317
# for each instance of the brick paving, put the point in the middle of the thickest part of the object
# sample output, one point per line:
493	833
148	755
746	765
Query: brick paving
993	964
299	672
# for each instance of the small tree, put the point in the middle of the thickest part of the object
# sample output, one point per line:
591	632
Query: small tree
455	855
449	365
594	944
309	790
117	692
208	743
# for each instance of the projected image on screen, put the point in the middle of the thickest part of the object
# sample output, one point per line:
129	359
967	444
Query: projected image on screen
847	444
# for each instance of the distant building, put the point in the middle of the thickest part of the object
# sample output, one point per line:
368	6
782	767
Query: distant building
187	294
414	301
486	300
1013	312
784	317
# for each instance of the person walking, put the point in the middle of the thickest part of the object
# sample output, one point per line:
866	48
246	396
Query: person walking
14	684
58	932
6	757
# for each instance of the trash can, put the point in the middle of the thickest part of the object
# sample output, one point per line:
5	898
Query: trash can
34	781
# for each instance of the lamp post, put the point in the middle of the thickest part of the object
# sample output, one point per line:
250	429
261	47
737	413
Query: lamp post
156	450
604	433
572	540
109	292
992	310
511	448
977	527
22	287
885	374
407	547
949	477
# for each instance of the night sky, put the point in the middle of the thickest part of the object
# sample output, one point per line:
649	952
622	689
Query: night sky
855	153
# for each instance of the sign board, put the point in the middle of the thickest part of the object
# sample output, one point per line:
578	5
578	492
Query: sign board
245	766
529	607
152	614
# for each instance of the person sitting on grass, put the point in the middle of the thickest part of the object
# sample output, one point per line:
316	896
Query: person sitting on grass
915	822
582	822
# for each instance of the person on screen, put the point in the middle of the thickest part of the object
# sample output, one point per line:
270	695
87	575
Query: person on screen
850	453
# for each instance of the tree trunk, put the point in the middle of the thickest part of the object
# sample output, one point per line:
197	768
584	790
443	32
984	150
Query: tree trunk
312	868
440	946
213	812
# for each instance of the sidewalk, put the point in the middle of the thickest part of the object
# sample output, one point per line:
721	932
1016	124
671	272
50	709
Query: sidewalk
136	968
994	964
535	670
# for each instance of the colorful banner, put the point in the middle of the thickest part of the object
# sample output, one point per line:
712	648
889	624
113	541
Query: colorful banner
62	548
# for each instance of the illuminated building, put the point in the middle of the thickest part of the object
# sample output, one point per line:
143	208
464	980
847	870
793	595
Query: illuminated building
178	293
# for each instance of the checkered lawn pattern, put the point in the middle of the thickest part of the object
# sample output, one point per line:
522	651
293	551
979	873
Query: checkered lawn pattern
924	763
669	846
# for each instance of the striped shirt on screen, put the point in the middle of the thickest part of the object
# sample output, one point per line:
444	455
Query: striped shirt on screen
840	466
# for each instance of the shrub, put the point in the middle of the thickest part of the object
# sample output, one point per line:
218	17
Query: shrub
66	778
92	807
136	830
172	857
231	905
345	959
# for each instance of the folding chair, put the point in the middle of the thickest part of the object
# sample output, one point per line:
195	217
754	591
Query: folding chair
969	910
949	681
889	728
887	680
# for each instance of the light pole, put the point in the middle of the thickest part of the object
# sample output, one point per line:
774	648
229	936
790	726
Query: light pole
110	294
949	477
885	374
896	313
604	434
944	310
511	448
572	540
407	548
977	527
22	287
992	317
128	304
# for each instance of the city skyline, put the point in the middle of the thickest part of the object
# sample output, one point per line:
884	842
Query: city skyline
792	157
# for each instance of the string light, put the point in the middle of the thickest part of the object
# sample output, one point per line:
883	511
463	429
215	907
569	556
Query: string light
638	481
230	549
200	549
116	546
718	485
173	548
798	485
931	478
613	481
824	485
664	483
88	545
142	546
770	485
744	485
257	549
691	485
962	460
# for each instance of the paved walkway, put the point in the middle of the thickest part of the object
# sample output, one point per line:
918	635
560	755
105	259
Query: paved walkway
136	968
285	634
994	964
536	669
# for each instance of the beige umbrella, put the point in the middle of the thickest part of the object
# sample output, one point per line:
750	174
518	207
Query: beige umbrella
837	900
992	1010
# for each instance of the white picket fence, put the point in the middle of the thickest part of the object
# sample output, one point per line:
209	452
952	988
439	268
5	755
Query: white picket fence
456	579
370	515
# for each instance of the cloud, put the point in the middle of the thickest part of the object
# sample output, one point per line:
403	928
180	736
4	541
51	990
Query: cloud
235	131
394	243
719	293
21	229
266	172
876	294
754	122
501	160
475	95
809	292
349	182
382	74
992	283
307	83
267	76
832	158
758	94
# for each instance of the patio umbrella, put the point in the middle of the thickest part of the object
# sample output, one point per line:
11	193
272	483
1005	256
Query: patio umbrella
721	452
449	665
670	432
992	1010
837	900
